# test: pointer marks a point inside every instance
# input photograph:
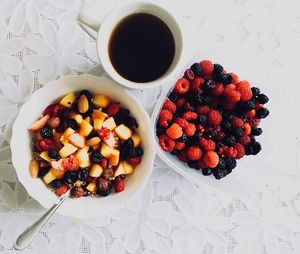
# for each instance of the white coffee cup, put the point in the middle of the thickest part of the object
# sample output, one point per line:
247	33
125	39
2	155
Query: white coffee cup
101	32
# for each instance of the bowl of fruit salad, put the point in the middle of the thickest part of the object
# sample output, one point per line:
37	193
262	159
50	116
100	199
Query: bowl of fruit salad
85	134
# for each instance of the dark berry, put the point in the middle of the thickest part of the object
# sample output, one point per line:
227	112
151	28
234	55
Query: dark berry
128	143
237	132
192	164
201	119
96	157
55	184
82	174
226	126
103	187
43	171
255	147
218	69
70	177
160	131
226	78
230	163
227	115
222	163
53	154
139	152
183	138
197	135
196	68
249	105
87	93
210	85
262	113
174	152
256	131
206	171
189	74
255	91
262	98
64	113
195	99
207	100
46	132
72	123
131	122
210	134
173	97
218	173
229	140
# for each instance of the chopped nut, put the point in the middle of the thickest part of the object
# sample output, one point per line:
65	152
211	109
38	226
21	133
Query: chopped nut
83	104
93	141
77	192
34	168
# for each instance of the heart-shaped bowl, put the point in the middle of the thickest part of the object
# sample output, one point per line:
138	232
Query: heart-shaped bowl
234	182
21	146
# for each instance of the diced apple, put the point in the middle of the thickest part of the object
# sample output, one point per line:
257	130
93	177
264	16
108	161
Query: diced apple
52	175
91	187
96	170
85	128
82	155
78	118
111	140
120	170
85	164
57	165
106	150
44	155
98	115
39	124
77	140
114	158
128	167
64	138
98	124
67	150
68	100
109	124
88	119
101	100
136	140
123	132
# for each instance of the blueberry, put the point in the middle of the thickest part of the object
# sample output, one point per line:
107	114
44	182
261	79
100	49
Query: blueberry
96	157
128	143
55	184
206	171
43	171
70	177
72	123
82	174
262	113
139	151
262	98
196	68
53	154
173	97
237	132
87	93
255	91
46	132
218	173
64	113
230	163
160	131
229	140
256	131
218	69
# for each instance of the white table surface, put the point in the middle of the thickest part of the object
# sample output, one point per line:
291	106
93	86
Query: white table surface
40	41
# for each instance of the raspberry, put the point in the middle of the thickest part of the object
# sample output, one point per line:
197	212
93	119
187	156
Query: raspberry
240	150
235	78
214	117
254	122
229	87
196	85
237	122
181	122
220	135
182	86
179	145
182	156
174	131
207	67
207	144
194	153
258	106
218	90
190	115
62	190
169	105
247	129
251	114
201	128
211	159
242	85
202	109
134	161
44	144
166	143
245	140
119	184
232	96
190	129
189	74
230	152
70	163
188	107
245	90
113	108
104	133
53	109
180	102
165	117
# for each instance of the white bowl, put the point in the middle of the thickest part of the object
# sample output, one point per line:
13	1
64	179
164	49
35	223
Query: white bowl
232	60
21	146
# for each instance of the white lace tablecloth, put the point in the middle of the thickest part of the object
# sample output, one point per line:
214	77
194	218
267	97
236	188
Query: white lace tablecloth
40	41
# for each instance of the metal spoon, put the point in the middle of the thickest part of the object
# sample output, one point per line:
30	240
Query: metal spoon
28	235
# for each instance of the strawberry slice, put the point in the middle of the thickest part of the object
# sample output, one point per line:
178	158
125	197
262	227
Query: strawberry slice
62	190
77	140
70	163
39	124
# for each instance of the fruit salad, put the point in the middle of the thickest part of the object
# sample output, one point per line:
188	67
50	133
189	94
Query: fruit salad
210	119
87	143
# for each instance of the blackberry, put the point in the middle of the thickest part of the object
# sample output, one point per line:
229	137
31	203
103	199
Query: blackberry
183	138
96	157
72	123
227	115
219	145
222	163
70	177
255	91
196	68
178	113
210	134
174	152
192	164
226	126
262	98
218	173
121	116
87	93
64	113
249	105
43	171
262	113
195	99
131	153
256	131
160	131
218	69
197	135
128	143
228	171
53	154
229	140
173	97
131	122
82	174
237	132
201	119
46	132
230	163
207	100
255	147
103	187
139	151
55	184
206	171
226	78
209	85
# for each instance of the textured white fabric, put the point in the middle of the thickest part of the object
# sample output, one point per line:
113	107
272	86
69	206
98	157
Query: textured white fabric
40	41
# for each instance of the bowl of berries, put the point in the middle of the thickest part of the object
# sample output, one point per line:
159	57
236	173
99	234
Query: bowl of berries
85	134
207	120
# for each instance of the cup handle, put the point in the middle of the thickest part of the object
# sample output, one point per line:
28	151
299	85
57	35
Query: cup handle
88	23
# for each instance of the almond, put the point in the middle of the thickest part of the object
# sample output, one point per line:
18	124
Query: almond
93	141
83	104
34	168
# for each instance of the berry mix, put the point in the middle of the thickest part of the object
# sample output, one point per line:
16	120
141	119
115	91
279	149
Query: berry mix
211	119
87	143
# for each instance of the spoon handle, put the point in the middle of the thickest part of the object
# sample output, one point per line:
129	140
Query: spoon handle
25	238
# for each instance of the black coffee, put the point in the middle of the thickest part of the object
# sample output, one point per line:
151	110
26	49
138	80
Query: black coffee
141	47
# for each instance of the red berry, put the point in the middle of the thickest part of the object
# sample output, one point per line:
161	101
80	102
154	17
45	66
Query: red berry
165	117
189	74
196	85
119	184
182	156
104	163
113	108
190	129
242	85
258	106
203	109
104	133
211	159
201	128
179	145
230	152
174	131
166	143
53	109
247	129
227	105
251	114
245	90
237	122
218	90
44	144
134	161
235	78
207	67
181	122
245	140
194	153
207	144
182	86
220	135
169	105
240	150
214	117
70	163
232	96
254	122
62	190
180	102
188	107
190	116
